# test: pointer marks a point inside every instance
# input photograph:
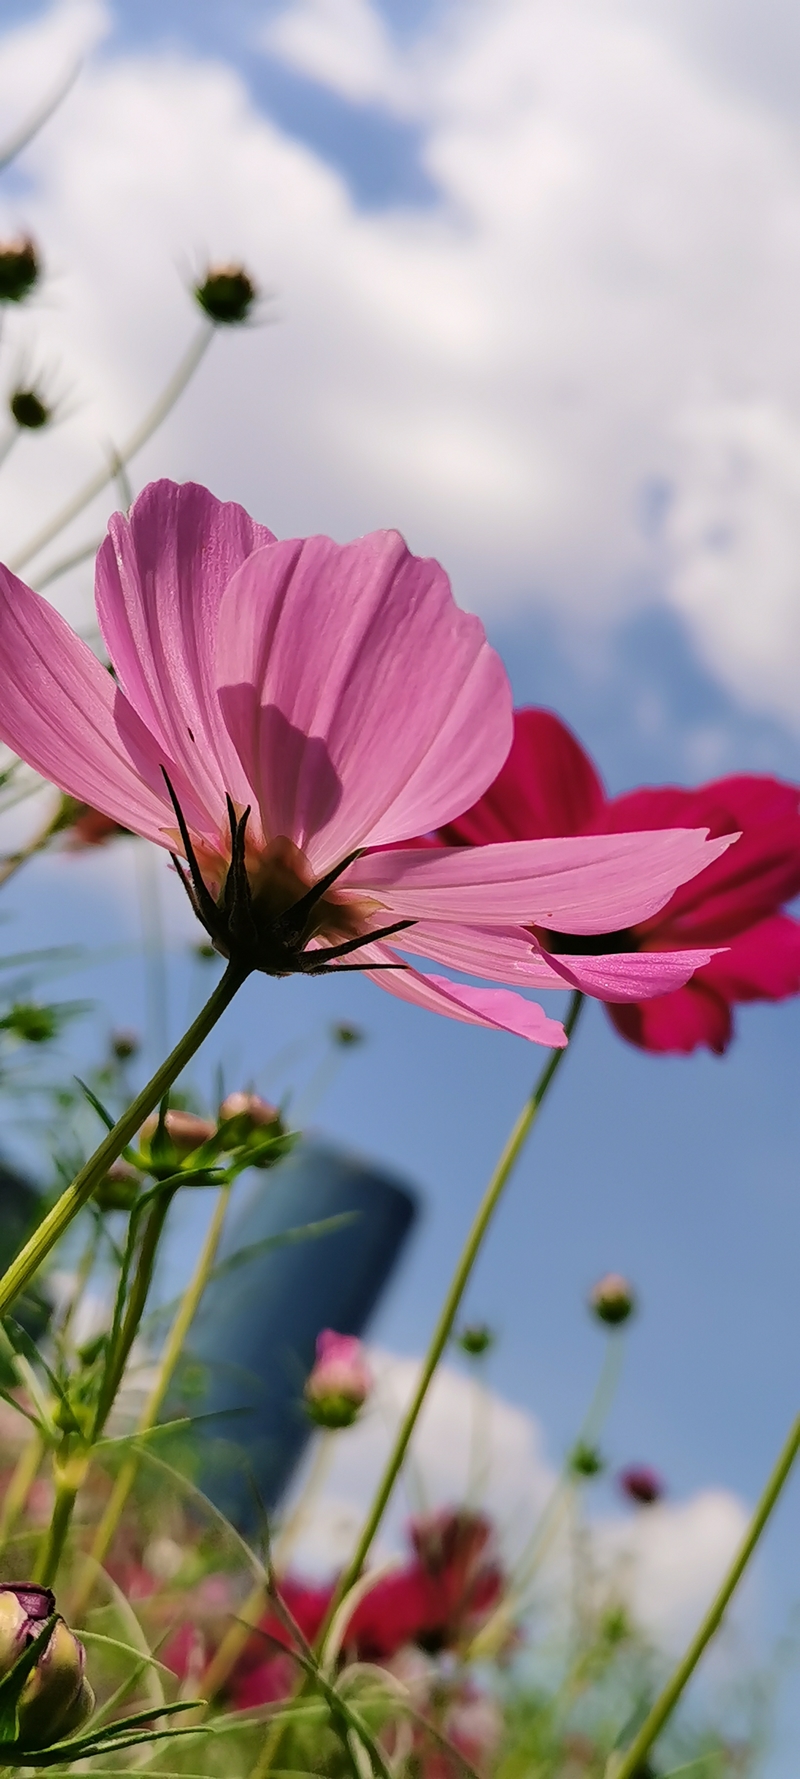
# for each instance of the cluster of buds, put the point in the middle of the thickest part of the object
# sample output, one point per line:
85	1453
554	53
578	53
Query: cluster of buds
226	295
55	1698
340	1381
246	1128
19	269
612	1300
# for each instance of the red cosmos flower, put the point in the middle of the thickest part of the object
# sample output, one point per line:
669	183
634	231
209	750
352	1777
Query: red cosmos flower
549	786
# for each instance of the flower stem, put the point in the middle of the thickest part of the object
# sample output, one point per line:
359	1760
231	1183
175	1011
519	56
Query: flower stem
629	1765
152	420
449	1311
52	1227
152	1408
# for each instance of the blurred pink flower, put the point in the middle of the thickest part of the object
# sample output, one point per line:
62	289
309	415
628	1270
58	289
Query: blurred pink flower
277	709
548	785
340	1380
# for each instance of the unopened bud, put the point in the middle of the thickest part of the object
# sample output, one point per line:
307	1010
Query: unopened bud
248	1112
585	1460
612	1299
227	294
475	1339
30	1023
340	1382
56	1697
124	1045
19	269
120	1188
184	1130
28	409
641	1484
346	1035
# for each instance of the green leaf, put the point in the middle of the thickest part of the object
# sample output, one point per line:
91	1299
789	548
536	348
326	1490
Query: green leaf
100	1109
27	1349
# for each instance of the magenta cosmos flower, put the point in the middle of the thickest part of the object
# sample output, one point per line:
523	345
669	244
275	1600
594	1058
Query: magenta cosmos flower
276	709
548	785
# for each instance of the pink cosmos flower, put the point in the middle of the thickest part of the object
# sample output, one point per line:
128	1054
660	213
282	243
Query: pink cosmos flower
548	785
278	709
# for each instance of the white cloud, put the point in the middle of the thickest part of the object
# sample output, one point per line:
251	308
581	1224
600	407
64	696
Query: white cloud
603	302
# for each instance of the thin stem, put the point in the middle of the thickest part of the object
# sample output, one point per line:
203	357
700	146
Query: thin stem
139	437
70	1475
152	1408
629	1765
449	1311
16	1494
142	1278
52	1227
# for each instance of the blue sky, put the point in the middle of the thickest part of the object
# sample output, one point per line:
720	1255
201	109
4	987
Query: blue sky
650	599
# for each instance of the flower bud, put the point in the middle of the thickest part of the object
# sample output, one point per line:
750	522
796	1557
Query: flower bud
56	1698
246	1113
19	269
612	1299
29	410
585	1460
183	1133
227	294
641	1484
124	1045
476	1339
120	1188
345	1035
340	1382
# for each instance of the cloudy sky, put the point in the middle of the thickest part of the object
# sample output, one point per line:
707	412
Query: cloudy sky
532	286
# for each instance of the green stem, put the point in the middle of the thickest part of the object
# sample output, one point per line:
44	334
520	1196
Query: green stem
69	1478
172	1353
150	424
134	1311
449	1311
629	1765
52	1227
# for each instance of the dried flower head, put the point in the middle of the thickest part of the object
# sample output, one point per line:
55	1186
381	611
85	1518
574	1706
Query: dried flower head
19	269
226	295
29	410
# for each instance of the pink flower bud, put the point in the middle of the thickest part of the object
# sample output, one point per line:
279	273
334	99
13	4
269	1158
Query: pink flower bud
246	1113
56	1697
119	1189
340	1382
612	1299
185	1130
641	1484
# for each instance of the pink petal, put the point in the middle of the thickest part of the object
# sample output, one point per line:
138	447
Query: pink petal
59	710
762	964
161	574
497	1008
548	786
364	706
511	955
581	884
677	1023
